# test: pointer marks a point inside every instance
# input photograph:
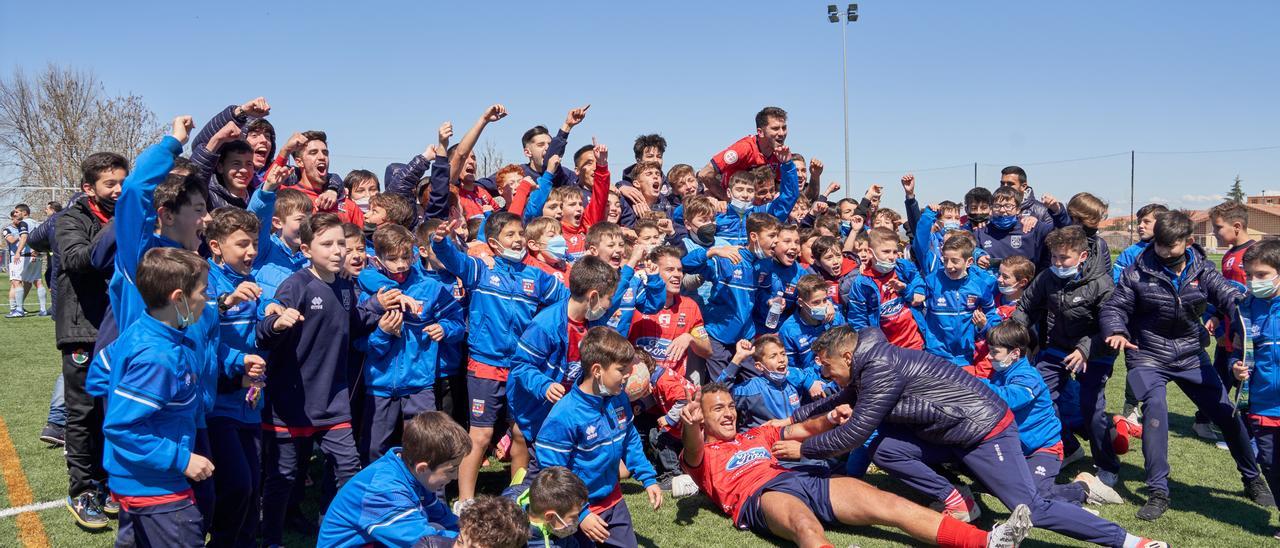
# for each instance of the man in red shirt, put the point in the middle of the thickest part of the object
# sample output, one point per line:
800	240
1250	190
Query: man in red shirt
751	151
670	333
310	149
740	474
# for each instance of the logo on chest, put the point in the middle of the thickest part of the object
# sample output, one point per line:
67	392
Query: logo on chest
317	303
1015	242
743	458
527	286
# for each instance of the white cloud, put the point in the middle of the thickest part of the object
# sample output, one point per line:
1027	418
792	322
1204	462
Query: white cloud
1202	198
1158	200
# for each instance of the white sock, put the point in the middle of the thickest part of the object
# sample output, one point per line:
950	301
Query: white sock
42	293
21	294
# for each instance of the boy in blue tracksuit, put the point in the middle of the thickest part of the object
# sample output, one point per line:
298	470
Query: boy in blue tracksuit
1019	384
734	275
779	275
959	303
150	423
766	395
635	291
402	354
1004	235
393	502
451	377
885	291
815	313
552	501
930	230
307	393
546	362
733	226
235	420
1260	315
1146	218
280	253
590	432
504	299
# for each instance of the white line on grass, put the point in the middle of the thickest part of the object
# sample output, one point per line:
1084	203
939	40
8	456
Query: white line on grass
7	512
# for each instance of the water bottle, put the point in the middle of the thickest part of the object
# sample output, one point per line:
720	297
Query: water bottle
775	311
1242	393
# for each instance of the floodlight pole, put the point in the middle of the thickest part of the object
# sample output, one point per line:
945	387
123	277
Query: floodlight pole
850	15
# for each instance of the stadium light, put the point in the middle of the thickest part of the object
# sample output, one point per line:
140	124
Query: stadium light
851	15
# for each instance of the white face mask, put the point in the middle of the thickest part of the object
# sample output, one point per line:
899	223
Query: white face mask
594	314
185	319
1008	289
1010	359
1065	271
740	204
514	255
363	203
604	391
884	267
1263	289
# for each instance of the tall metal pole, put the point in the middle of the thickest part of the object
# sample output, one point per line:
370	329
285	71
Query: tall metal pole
844	72
1132	221
975	175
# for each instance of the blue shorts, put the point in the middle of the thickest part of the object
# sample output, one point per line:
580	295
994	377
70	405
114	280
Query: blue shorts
813	491
488	401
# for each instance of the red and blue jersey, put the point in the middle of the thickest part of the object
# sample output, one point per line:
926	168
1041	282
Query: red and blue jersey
653	333
734	470
741	155
868	304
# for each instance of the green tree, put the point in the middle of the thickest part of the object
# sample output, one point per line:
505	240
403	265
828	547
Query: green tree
1236	194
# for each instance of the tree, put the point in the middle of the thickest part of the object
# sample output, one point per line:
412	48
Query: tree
489	160
1237	192
52	121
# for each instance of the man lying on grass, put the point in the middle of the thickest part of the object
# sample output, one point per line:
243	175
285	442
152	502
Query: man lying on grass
741	476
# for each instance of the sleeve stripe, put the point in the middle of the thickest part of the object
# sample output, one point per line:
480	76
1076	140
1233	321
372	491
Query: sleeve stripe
138	399
394	519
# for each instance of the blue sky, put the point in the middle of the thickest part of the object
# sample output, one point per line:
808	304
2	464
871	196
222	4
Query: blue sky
931	84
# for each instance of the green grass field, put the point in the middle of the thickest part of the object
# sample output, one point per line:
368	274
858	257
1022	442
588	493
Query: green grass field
1208	508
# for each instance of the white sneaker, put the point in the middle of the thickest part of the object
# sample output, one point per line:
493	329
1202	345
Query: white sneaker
1099	493
1204	431
1110	479
1077	455
460	505
1010	533
683	486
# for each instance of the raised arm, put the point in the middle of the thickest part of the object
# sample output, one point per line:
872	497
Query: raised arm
468	142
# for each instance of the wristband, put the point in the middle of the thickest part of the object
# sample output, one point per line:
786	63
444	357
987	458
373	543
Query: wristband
831	417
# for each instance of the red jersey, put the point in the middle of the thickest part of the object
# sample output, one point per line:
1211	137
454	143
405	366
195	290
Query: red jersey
896	321
653	333
346	210
575	237
1233	270
742	155
670	388
475	202
847	266
560	271
733	470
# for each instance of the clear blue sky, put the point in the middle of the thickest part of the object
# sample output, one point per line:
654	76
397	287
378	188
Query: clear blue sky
931	83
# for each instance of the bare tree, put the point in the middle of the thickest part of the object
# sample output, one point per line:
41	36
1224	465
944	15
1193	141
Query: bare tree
489	160
52	121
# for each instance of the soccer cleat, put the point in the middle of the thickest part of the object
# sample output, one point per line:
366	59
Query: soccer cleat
683	486
1157	504
86	511
1010	533
16	314
53	435
1110	479
1120	435
1258	492
1099	493
1074	456
1204	431
664	481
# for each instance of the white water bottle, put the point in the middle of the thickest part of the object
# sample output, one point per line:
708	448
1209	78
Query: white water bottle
775	311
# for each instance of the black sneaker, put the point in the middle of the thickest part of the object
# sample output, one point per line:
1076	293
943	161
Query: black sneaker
87	511
53	435
1258	492
664	481
109	506
1155	507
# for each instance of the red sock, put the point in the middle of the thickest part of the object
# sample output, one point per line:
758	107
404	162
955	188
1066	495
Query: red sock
953	532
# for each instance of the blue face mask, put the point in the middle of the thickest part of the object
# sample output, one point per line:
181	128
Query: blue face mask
558	247
951	225
847	225
819	313
776	377
1004	222
1065	272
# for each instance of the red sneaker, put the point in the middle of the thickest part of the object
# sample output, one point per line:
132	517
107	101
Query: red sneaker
1120	435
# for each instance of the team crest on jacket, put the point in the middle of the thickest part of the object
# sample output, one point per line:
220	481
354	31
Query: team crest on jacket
664	320
621	414
528	287
629	294
743	458
730	157
1015	242
971	301
346	300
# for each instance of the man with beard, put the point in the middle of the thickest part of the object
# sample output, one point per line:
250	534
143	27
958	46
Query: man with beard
766	147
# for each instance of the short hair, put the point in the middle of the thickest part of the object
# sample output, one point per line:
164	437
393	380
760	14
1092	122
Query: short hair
55	206
263	126
797	157
715	387
398	209
1069	237
824	244
598	232
762	340
592	273
646	224
533	132
1015	170
350	230
498	221
425	232
577	155
762	117
474	225
849	201
236	146
229	219
642	165
828	221
977	195
789	227
98	163
1230	212
1006	192
557	489
539	227
509	169
308	136
679	171
179	190
603	345
291	201
318	223
1087	207
668	251
183	165
892	214
946	206
958	242
880	235
744	177
835	340
391	239
1266	252
1150	209
652	140
698	206
165	269
762	222
1172	227
24	208
358	176
493	522
1020	267
562	194
434	438
1010	335
810	284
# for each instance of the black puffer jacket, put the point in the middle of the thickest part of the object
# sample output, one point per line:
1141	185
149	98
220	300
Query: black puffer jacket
1164	321
1069	308
81	289
938	401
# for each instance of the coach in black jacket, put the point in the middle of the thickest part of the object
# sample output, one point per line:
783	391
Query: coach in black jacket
930	411
1155	314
